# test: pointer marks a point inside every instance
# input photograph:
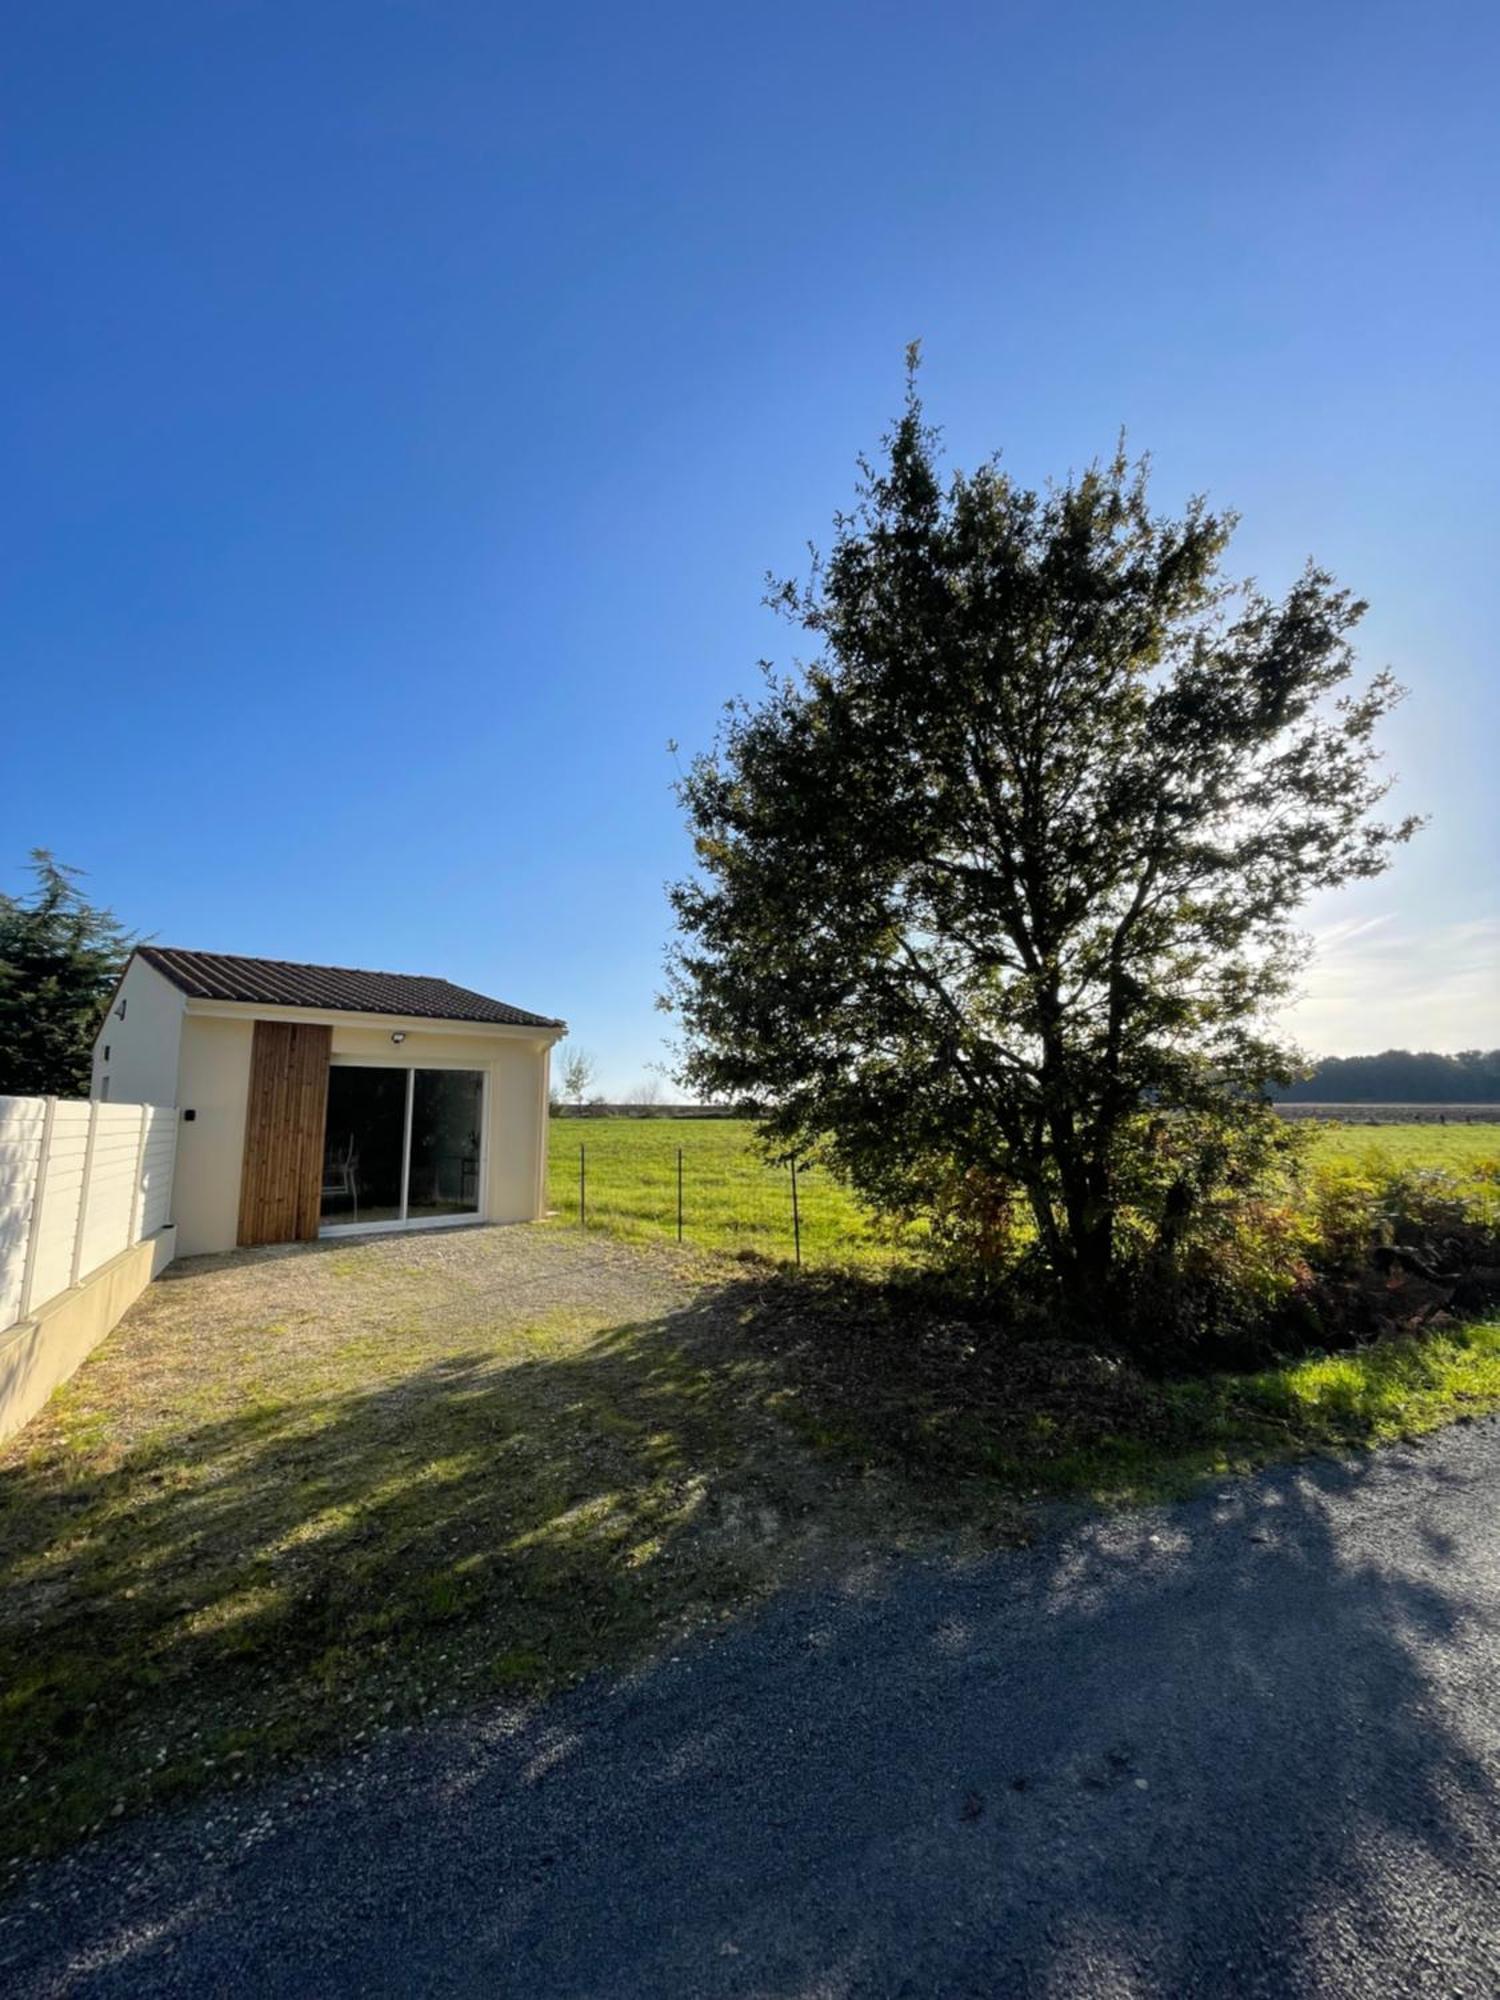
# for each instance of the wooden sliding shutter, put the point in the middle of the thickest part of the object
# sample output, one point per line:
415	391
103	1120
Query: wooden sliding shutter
281	1183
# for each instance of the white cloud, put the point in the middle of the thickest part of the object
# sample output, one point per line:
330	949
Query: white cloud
1345	933
1371	987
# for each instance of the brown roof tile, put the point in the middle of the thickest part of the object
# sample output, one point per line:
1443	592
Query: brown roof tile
273	982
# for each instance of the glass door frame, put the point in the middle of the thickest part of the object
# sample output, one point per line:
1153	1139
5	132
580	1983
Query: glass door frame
407	1222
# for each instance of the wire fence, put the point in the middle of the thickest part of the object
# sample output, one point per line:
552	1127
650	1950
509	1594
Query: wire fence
1394	1114
712	1196
705	1185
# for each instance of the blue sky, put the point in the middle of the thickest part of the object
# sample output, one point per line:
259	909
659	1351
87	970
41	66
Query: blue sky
403	401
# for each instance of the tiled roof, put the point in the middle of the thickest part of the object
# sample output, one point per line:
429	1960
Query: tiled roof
273	982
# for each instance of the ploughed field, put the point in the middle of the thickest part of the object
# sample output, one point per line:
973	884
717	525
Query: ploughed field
626	1182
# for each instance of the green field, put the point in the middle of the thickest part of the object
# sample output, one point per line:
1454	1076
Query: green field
732	1202
1455	1149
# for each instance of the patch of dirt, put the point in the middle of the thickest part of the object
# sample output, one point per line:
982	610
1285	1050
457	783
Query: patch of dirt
890	1376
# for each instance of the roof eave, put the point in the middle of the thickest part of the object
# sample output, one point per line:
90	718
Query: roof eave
549	1032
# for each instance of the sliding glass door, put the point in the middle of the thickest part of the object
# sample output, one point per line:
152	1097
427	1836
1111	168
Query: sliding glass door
401	1146
447	1117
364	1143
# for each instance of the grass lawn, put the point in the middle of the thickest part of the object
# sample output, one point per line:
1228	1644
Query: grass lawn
733	1202
296	1499
878	1383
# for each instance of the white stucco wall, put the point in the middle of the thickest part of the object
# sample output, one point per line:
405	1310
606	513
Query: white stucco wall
516	1135
214	1079
143	1047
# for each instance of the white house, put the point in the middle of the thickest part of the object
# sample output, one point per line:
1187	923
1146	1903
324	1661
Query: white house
314	1100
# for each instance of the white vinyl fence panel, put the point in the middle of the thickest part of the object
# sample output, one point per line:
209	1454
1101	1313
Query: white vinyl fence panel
57	1203
108	1220
21	1122
79	1183
157	1161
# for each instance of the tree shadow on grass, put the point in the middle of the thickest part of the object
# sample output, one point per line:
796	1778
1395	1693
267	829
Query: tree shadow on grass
274	1581
1232	1745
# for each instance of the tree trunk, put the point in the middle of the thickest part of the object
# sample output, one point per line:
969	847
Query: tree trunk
1086	1273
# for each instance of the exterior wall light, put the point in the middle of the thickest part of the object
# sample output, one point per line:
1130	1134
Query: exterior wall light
399	1036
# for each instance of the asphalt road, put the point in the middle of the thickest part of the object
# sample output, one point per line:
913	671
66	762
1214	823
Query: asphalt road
1246	1746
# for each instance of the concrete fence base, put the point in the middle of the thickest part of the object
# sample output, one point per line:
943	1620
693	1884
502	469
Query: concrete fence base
42	1351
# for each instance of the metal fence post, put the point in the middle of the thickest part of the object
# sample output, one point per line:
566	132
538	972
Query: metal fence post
582	1189
796	1219
679	1194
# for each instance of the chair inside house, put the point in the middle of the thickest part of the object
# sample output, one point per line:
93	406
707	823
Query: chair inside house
341	1181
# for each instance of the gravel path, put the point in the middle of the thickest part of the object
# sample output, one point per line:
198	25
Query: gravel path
507	1276
1245	1746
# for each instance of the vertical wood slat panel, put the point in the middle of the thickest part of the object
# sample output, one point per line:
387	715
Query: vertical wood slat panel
317	1048
282	1177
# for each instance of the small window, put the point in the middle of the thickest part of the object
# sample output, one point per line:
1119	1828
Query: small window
106	1051
104	1090
120	1010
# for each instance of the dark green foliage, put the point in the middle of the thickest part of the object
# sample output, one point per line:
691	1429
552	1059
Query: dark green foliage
995	896
60	956
1400	1077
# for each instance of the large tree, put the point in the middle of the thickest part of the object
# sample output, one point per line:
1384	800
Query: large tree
995	895
60	956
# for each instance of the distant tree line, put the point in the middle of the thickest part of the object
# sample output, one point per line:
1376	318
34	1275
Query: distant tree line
1400	1076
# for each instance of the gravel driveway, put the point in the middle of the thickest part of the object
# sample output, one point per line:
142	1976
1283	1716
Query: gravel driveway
1245	1746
